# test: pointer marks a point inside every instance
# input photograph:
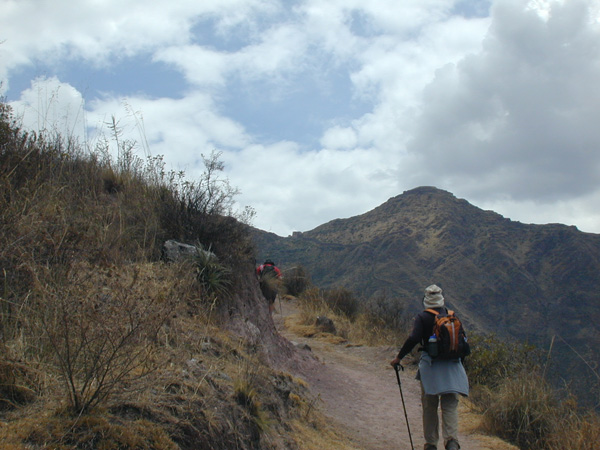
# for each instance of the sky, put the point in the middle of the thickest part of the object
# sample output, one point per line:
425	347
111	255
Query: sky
325	109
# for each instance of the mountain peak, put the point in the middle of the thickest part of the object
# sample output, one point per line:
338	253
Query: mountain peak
422	208
499	275
421	190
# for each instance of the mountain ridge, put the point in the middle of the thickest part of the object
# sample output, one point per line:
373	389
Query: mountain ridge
524	281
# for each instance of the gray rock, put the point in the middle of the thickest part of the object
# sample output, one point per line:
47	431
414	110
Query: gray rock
176	251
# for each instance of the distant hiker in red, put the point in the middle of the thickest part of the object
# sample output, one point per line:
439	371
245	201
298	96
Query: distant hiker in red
268	277
442	378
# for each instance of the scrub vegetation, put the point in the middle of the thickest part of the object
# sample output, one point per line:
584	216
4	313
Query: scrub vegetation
105	345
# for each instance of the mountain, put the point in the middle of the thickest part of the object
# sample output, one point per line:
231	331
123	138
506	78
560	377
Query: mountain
530	282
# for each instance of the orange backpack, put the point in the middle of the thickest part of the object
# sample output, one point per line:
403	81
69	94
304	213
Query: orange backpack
450	336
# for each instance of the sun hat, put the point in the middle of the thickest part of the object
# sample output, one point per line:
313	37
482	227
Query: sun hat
433	297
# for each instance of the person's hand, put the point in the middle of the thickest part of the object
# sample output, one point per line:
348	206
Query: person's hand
395	362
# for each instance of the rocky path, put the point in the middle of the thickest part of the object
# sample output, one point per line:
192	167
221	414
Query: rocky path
360	394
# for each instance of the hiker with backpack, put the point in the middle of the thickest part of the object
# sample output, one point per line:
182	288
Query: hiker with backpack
442	375
269	276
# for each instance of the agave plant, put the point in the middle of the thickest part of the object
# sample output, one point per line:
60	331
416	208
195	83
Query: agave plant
214	277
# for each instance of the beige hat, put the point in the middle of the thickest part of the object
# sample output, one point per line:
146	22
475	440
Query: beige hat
433	297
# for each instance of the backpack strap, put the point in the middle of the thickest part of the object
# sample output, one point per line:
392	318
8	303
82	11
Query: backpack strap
449	312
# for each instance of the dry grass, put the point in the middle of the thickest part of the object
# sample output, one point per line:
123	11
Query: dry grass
319	437
99	431
575	431
208	392
295	325
361	328
104	346
526	411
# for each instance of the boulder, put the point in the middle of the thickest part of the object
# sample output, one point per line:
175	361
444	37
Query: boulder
175	251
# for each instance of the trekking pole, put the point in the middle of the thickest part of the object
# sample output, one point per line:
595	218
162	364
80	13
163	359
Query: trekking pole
397	368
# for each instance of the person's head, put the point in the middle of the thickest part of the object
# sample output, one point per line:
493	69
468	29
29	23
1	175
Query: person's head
268	262
433	297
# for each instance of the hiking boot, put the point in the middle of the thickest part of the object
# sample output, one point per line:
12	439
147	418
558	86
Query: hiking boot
452	445
429	447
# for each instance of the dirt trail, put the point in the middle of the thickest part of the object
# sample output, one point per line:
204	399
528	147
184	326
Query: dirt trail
360	393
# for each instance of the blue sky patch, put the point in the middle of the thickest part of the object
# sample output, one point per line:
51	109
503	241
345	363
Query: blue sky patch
301	112
131	76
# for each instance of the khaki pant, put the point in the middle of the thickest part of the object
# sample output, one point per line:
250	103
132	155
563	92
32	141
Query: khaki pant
449	406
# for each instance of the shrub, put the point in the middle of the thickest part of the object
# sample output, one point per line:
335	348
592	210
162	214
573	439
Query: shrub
492	361
296	281
213	276
343	301
388	311
523	412
100	326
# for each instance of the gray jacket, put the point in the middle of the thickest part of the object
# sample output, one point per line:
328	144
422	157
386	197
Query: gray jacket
442	376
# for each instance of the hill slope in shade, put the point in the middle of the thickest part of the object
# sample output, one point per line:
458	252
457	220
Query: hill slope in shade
531	282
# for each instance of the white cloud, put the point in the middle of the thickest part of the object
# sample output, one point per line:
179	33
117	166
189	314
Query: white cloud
576	212
201	66
292	190
55	31
52	106
517	118
500	110
338	137
278	52
180	129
